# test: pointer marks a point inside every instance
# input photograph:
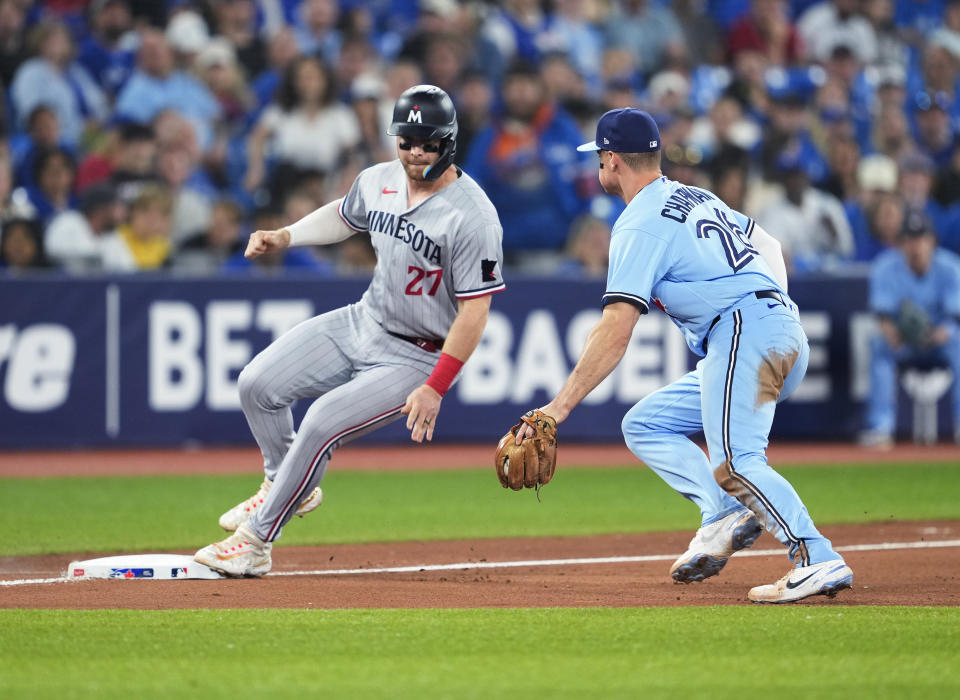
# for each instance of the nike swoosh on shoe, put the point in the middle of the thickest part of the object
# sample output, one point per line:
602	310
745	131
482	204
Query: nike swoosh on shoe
794	584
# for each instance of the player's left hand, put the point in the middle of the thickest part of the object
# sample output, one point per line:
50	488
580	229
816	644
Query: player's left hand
531	463
551	410
421	410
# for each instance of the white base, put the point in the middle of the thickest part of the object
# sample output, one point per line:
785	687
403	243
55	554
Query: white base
150	566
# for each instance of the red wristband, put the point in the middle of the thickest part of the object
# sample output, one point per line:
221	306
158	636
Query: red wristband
444	373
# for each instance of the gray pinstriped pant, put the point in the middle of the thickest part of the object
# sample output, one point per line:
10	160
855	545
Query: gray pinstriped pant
359	376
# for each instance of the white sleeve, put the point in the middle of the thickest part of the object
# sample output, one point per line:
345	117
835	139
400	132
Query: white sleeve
320	227
769	248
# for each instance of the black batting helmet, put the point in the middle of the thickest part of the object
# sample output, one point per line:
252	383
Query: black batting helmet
426	113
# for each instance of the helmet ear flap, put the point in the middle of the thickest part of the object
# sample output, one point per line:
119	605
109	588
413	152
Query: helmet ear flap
448	149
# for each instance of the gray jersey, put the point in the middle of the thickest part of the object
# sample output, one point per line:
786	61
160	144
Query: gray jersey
446	248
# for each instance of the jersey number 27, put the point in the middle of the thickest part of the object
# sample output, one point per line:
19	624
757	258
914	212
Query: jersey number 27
416	286
736	245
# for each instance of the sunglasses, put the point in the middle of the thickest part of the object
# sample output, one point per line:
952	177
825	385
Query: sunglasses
426	146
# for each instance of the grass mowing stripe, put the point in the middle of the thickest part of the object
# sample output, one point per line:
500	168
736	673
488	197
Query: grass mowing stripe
795	651
116	514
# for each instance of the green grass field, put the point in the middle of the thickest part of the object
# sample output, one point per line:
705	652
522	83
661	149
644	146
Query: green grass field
794	652
120	514
791	652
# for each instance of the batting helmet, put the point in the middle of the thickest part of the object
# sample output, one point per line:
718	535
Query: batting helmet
426	113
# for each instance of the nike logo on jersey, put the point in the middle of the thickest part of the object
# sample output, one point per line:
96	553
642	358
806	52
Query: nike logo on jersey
386	191
772	306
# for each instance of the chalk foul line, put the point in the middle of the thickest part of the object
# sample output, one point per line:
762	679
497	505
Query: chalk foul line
470	565
883	546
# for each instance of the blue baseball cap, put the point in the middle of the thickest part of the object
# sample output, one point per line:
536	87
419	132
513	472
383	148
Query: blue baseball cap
625	131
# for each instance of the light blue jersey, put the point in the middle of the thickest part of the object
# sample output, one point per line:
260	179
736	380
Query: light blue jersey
682	249
894	284
937	292
685	251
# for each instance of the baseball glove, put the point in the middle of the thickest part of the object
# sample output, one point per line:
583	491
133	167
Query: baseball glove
913	324
531	463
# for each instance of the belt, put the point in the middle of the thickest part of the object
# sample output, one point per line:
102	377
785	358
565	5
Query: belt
428	344
763	294
770	294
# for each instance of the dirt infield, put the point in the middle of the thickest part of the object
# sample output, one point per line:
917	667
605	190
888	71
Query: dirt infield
915	576
247	459
899	577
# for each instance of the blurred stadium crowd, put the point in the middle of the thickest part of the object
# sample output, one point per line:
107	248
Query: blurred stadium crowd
156	135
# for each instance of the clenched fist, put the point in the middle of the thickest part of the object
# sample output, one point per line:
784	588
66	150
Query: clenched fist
262	242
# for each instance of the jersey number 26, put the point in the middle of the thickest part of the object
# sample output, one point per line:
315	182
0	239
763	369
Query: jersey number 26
735	243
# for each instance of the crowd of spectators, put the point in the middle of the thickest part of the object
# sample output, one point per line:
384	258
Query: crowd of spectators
157	135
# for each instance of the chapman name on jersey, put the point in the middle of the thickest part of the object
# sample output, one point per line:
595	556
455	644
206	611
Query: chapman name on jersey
683	200
685	251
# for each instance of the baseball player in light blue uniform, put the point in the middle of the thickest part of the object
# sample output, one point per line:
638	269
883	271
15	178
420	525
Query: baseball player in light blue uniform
722	280
918	285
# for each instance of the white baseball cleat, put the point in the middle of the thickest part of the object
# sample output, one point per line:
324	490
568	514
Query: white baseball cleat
713	544
238	515
241	554
826	578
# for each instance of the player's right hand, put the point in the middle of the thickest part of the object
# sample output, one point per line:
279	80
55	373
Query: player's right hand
421	410
266	242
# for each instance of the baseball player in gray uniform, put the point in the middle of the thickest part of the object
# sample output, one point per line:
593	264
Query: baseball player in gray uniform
396	351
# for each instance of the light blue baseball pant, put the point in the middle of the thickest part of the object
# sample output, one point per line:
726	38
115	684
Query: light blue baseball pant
882	401
756	356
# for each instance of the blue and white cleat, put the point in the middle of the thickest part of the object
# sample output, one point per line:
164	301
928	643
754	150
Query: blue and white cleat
826	578
713	544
